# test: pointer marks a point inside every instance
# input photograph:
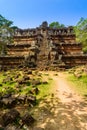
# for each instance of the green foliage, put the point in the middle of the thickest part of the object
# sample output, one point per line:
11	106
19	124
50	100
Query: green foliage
56	25
6	33
81	33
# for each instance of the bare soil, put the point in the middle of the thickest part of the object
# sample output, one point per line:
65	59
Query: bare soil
64	110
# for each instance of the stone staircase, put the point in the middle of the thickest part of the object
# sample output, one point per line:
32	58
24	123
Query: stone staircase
42	57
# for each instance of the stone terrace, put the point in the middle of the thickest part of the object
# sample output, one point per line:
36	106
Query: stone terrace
45	47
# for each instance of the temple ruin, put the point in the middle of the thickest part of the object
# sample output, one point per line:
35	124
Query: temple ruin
44	48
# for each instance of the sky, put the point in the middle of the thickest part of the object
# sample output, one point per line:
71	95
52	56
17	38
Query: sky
31	13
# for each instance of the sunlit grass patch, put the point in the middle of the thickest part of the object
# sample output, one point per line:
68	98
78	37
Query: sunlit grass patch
79	84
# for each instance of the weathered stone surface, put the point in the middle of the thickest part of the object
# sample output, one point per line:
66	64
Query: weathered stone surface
21	81
34	91
35	82
28	119
26	77
7	95
29	72
21	99
10	116
1	122
11	127
17	76
9	102
31	100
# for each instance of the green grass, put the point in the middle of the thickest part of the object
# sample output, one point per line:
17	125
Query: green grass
45	89
79	84
25	90
1	77
10	86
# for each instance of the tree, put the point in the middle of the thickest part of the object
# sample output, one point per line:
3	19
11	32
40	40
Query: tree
6	33
56	25
81	33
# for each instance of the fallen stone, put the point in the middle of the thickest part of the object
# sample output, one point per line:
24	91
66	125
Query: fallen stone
26	77
7	95
21	99
21	81
11	127
35	82
44	82
36	91
1	122
27	119
10	116
77	75
9	102
17	76
29	72
31	100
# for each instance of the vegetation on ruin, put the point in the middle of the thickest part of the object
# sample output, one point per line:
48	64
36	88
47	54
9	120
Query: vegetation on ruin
10	82
81	33
21	91
6	33
56	25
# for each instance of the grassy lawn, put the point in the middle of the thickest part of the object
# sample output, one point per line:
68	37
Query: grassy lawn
45	89
79	84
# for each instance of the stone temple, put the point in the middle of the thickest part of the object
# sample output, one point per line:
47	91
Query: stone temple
44	48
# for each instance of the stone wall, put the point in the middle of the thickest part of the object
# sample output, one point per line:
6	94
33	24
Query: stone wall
7	62
74	60
45	48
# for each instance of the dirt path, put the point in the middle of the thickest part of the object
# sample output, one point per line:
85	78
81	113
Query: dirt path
65	93
64	111
72	100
